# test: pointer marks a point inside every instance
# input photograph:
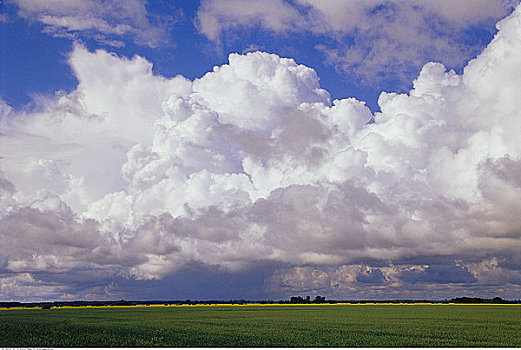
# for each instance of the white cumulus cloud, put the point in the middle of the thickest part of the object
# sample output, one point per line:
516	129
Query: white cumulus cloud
137	176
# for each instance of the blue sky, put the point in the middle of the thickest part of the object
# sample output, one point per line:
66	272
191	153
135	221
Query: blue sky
259	149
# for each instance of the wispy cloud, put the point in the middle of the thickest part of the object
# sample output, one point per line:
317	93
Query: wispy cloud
376	41
104	20
216	16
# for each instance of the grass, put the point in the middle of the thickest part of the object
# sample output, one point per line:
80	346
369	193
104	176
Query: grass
265	326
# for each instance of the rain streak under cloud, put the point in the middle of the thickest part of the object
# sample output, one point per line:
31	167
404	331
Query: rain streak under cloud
254	170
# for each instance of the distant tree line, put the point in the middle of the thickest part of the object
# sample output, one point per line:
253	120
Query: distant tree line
293	300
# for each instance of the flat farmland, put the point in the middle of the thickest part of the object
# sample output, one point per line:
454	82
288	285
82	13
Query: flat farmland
265	326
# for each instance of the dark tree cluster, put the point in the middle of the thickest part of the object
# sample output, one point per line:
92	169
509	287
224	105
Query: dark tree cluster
469	300
307	300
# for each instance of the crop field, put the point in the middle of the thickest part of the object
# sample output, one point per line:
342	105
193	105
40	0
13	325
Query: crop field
265	326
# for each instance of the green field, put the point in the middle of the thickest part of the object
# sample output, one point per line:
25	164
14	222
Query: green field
266	326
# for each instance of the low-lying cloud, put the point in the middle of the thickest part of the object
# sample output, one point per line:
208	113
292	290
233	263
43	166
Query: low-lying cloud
136	177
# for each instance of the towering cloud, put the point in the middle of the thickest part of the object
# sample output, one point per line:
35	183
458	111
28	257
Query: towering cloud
136	176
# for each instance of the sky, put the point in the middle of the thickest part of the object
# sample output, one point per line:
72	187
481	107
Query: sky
259	149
